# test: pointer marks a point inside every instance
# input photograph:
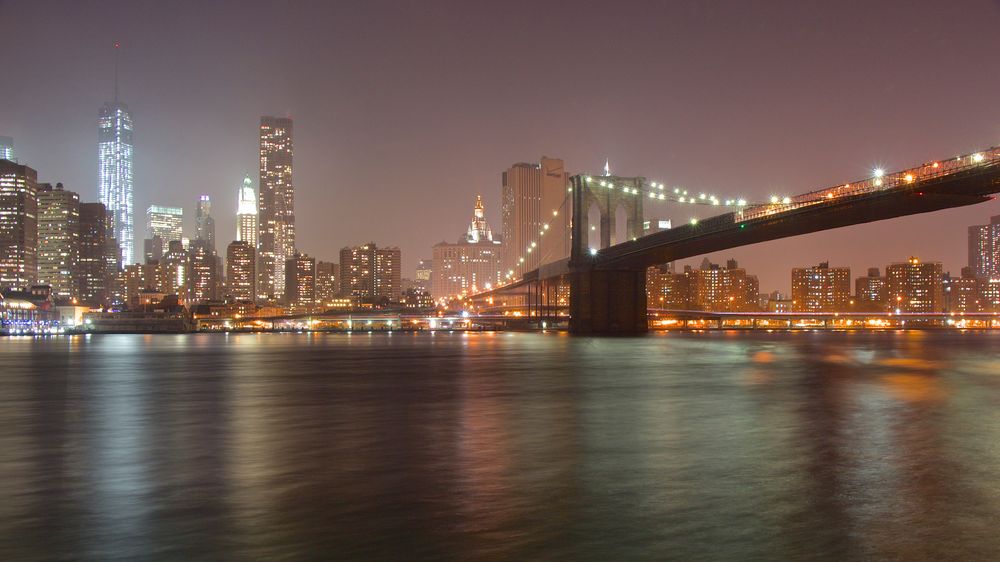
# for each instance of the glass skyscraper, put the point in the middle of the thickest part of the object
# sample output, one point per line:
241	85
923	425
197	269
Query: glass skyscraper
246	214
114	154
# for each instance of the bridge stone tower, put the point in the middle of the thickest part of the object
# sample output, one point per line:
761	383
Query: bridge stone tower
606	300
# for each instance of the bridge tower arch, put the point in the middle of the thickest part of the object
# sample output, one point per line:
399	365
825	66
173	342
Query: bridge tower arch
605	300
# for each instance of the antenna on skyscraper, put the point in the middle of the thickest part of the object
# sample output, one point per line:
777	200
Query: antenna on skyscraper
117	47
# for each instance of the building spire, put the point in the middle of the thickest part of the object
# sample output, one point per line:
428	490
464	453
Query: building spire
117	48
607	167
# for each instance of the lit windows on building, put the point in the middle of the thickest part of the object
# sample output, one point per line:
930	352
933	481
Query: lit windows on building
300	283
115	153
276	205
371	273
821	288
869	292
246	214
58	240
165	222
470	266
915	286
18	225
241	270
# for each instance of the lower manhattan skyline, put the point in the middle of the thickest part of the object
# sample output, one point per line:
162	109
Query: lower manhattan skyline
689	108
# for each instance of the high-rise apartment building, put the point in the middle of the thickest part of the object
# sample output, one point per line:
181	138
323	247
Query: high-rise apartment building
92	267
533	196
300	282
241	270
821	288
370	272
58	240
18	225
869	292
6	148
246	214
915	286
276	205
469	266
984	249
204	223
167	223
327	283
965	293
114	153
719	289
204	272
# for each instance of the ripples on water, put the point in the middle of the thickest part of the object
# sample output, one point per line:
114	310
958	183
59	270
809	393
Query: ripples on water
501	446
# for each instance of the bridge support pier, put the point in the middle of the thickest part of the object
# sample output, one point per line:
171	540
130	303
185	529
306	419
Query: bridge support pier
608	302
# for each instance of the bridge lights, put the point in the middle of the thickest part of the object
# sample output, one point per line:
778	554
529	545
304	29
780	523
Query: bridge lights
978	157
908	178
661	198
694	222
774	199
786	201
593	251
879	172
878	182
742	202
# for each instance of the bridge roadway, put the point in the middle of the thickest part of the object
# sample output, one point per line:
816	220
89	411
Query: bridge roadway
608	288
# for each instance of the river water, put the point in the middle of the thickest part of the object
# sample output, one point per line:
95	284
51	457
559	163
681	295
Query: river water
515	446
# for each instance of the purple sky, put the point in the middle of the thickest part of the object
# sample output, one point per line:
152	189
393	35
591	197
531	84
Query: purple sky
405	110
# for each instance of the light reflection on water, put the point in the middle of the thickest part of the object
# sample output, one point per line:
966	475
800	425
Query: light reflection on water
501	446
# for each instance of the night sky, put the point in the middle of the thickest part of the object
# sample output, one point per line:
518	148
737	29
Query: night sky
404	111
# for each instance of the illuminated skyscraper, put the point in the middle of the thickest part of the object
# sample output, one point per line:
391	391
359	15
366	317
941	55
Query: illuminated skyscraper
204	223
821	288
241	270
915	286
6	148
471	265
531	193
18	225
204	281
176	271
276	208
246	214
165	222
58	239
114	153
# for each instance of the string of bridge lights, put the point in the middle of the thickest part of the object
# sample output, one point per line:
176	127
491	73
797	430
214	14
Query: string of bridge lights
657	191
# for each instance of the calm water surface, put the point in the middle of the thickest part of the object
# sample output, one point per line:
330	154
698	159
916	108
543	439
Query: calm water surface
710	446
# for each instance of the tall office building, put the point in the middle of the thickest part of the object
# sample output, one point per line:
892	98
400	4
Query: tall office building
370	272
246	214
92	267
300	282
18	225
915	286
821	288
204	272
534	195
276	205
469	266
176	271
58	240
984	249
204	223
6	148
167	223
114	153
241	270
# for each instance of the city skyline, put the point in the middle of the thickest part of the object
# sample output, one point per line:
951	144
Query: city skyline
679	142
